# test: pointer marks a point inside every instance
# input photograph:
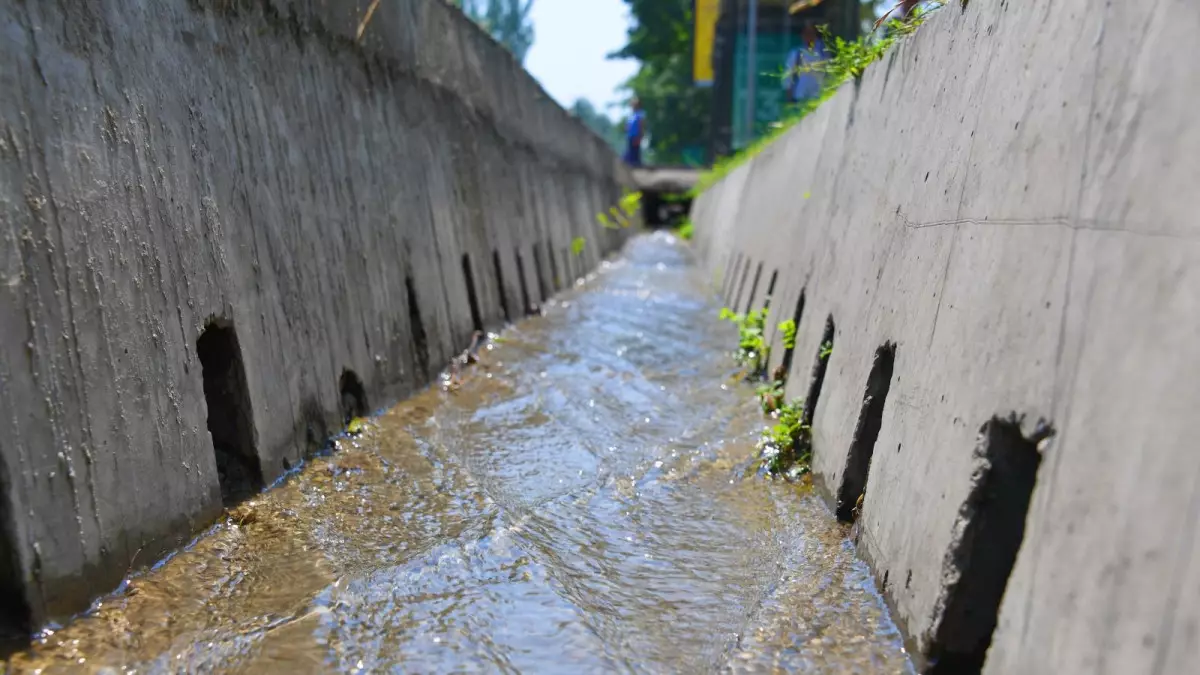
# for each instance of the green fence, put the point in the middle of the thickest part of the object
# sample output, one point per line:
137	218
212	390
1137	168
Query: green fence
771	52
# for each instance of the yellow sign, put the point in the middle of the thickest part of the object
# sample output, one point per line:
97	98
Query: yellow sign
705	33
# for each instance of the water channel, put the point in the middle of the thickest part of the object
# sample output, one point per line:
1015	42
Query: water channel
584	500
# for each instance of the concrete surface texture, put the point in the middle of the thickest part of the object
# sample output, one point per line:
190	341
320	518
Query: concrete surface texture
252	171
1006	198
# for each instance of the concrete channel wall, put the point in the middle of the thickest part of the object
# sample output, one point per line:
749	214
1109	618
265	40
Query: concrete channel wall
996	220
245	199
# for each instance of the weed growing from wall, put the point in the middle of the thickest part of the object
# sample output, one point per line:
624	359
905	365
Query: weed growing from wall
786	447
752	351
631	203
788	330
770	395
687	230
826	350
623	214
577	245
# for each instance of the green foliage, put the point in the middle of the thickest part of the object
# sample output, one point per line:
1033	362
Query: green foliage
687	230
577	245
677	111
619	217
787	446
849	59
602	124
826	350
752	352
770	395
357	426
507	21
631	203
788	328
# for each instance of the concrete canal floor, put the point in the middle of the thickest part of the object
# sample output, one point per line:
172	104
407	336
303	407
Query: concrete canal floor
584	499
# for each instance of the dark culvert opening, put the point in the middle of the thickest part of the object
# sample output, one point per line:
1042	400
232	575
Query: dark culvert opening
741	284
528	306
420	343
15	624
500	285
989	529
472	296
770	289
753	288
230	421
862	445
354	396
539	268
652	211
788	353
824	351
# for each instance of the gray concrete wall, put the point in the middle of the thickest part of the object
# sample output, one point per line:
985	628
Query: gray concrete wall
1007	198
167	162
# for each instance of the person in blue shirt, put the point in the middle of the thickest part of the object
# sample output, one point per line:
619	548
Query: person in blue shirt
804	77
635	131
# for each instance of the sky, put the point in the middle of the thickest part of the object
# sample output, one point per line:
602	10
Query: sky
571	39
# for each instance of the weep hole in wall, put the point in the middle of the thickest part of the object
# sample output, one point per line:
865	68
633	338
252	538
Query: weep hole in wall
472	296
741	284
353	395
770	290
230	419
797	315
824	351
500	285
14	612
753	289
986	539
555	279
527	305
730	280
420	344
539	268
862	445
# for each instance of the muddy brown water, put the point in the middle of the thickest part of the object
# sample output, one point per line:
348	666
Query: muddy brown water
585	501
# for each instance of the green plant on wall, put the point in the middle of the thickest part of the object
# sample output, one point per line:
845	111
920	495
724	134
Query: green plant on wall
687	230
787	445
826	350
770	396
752	352
788	329
631	203
618	217
577	245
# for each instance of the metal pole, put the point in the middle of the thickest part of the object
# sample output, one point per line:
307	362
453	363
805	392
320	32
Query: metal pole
751	66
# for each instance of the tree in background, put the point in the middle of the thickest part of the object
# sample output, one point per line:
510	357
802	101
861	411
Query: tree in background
505	20
608	129
677	112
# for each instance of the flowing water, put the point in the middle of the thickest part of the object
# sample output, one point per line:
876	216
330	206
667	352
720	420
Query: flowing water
585	500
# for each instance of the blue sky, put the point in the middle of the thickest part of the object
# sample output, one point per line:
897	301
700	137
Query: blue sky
571	39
